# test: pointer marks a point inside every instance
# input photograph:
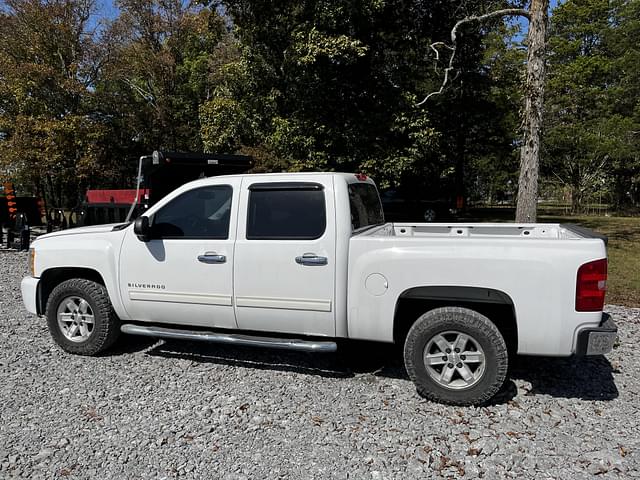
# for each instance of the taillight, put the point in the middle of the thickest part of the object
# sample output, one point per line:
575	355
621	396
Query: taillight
591	286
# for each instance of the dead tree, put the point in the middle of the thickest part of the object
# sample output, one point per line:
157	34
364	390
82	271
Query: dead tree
533	96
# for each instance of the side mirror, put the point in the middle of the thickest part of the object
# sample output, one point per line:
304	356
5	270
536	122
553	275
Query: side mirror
142	229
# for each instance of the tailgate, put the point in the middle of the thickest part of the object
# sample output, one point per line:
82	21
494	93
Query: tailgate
584	232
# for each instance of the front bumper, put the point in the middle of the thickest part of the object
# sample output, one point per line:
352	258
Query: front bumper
598	340
29	289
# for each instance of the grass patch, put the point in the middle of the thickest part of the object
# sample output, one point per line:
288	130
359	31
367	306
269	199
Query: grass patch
623	285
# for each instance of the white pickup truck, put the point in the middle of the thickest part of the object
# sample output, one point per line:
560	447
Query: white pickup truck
300	260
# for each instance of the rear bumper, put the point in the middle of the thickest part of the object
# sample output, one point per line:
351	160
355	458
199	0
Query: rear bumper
597	340
29	289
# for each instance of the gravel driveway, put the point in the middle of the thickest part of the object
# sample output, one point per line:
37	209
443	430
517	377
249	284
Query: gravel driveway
169	409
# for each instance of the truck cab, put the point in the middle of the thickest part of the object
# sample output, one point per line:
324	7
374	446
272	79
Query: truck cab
271	268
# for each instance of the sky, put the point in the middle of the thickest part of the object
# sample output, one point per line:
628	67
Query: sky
107	8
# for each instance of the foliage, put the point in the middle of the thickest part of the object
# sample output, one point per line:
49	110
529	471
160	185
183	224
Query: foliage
332	86
481	117
61	156
315	85
48	138
592	105
161	59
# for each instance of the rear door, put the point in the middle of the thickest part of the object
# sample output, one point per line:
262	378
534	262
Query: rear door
284	275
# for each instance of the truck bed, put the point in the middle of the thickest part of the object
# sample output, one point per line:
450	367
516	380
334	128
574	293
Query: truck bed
534	266
485	230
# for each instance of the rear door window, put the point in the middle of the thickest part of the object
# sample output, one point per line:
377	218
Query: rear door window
286	211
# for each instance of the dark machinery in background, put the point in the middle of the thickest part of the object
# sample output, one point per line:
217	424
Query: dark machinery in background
107	206
158	175
17	216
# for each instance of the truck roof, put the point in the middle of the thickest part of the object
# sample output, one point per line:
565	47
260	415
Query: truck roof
347	176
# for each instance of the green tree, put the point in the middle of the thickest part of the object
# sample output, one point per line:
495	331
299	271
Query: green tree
537	14
50	140
592	104
162	59
624	119
478	115
492	174
330	85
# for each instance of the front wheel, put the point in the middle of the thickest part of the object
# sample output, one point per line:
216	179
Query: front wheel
80	317
456	356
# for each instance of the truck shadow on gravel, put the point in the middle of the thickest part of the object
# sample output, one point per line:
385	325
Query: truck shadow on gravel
590	378
586	378
348	362
129	344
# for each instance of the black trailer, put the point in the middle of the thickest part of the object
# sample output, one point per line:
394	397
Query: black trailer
158	175
163	172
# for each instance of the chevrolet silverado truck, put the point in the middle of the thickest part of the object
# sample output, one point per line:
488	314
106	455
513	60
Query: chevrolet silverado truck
301	260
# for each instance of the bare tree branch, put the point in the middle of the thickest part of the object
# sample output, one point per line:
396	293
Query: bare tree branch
439	44
506	12
147	95
560	178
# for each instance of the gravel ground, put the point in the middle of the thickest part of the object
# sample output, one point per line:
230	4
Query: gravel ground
169	409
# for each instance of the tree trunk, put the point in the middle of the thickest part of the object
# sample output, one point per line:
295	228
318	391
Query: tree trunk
576	199
532	115
460	189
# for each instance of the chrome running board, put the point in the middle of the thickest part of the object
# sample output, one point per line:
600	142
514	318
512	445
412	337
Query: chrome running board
230	338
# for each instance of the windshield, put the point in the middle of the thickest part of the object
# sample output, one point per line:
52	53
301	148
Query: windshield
366	209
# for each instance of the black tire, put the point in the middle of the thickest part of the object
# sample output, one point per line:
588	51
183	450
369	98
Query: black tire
429	215
106	325
484	334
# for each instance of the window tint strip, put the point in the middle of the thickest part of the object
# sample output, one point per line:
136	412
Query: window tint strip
284	186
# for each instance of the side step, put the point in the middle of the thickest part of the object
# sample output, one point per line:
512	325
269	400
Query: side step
231	338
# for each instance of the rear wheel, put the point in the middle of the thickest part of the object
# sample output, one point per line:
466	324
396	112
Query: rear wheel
80	317
456	356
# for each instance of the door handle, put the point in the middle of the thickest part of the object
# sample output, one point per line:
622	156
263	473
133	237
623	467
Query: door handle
311	259
212	257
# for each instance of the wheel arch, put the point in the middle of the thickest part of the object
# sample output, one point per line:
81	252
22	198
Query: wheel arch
495	304
52	277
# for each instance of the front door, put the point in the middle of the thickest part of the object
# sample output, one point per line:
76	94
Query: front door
184	273
285	256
